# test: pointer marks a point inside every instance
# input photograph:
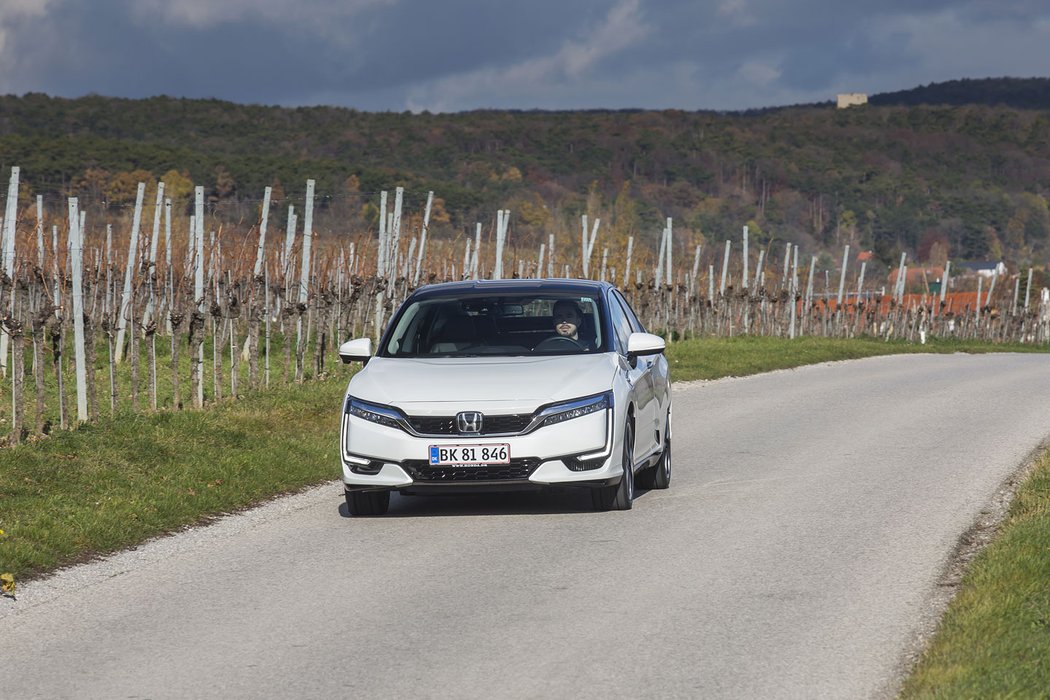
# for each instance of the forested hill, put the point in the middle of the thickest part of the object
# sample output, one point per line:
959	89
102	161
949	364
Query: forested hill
967	181
1022	93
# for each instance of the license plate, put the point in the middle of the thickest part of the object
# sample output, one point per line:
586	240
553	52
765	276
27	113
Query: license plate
469	455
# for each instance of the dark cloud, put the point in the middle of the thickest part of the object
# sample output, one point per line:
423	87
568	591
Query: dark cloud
462	54
818	65
1023	11
102	50
431	39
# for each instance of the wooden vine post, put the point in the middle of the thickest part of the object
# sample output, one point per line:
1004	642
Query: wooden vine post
76	248
123	315
304	281
7	245
196	330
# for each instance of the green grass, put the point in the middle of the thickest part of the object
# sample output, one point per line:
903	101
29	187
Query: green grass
994	640
110	485
713	358
165	397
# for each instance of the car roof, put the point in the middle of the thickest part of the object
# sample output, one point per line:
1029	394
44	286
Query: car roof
511	286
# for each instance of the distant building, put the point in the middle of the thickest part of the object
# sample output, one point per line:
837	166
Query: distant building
918	278
852	99
984	268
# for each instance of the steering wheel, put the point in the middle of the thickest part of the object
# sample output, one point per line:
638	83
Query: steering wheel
558	342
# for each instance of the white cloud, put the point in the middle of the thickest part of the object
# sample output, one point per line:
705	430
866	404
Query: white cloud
199	14
758	73
622	28
12	12
16	9
948	46
737	12
14	16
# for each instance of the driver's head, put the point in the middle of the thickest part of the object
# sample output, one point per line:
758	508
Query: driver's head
567	317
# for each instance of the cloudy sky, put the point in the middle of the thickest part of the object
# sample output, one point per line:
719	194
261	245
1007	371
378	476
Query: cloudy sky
449	55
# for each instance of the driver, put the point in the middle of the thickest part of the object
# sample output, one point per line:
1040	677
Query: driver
567	317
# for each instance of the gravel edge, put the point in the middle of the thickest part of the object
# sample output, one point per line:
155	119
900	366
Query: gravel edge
78	579
971	543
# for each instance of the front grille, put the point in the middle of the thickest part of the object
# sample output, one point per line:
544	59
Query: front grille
518	470
433	425
505	424
492	425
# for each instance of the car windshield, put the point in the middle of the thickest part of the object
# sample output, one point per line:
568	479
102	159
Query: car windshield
504	324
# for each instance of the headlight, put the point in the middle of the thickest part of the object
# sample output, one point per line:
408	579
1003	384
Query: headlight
374	413
561	412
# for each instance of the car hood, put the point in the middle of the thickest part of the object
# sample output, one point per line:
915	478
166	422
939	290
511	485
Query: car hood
439	386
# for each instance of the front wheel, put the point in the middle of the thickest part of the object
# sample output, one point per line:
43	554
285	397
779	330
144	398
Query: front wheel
619	496
367	502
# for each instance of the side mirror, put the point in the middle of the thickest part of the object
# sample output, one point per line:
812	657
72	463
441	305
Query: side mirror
356	350
641	344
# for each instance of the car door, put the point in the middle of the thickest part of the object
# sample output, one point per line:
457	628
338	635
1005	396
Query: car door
656	377
639	379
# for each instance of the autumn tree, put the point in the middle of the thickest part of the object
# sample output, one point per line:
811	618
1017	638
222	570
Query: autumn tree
122	187
438	215
933	248
225	186
91	184
178	187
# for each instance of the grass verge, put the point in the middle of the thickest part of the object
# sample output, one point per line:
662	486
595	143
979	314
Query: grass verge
123	383
112	484
713	358
994	639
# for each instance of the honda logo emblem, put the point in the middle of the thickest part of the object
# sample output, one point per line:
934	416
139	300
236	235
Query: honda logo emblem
469	422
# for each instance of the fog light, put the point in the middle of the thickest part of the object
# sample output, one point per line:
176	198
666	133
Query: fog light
582	465
363	465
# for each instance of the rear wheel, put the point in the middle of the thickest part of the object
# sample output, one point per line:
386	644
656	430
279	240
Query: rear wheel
659	476
619	496
367	502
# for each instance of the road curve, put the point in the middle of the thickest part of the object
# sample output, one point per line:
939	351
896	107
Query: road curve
796	555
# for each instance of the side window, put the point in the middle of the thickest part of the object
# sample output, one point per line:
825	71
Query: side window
621	325
636	325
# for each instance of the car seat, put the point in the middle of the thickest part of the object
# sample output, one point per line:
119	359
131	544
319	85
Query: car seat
456	333
485	330
586	333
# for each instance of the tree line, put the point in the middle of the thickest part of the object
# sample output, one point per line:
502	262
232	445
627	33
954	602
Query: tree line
964	181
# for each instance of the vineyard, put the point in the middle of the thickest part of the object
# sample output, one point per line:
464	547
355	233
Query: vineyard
163	309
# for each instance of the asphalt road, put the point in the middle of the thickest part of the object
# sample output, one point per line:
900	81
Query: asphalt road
797	555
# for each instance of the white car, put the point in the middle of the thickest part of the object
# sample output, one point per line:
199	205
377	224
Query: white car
505	385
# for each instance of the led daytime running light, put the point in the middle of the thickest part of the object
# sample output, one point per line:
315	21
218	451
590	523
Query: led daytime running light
600	403
372	413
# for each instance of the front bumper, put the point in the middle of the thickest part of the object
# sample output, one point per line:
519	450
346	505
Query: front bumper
375	456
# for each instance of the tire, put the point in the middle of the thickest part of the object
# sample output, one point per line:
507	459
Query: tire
659	475
619	496
367	502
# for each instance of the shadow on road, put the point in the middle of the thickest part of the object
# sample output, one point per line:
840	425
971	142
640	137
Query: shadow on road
552	502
